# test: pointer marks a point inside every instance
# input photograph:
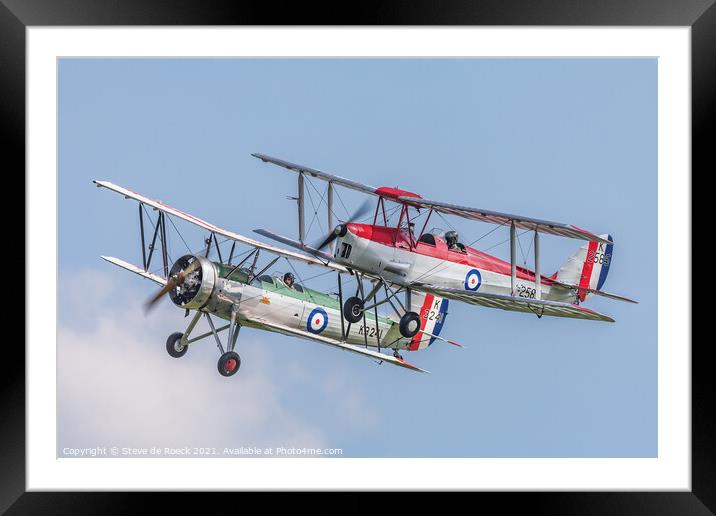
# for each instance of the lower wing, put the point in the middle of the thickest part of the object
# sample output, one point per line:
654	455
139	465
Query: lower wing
538	307
335	343
136	270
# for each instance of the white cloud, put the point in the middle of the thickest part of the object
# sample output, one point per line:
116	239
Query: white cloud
117	386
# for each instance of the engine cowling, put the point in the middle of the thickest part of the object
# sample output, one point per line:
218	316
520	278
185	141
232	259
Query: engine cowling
197	288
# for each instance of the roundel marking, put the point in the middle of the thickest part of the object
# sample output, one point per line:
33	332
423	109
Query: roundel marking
317	320
473	280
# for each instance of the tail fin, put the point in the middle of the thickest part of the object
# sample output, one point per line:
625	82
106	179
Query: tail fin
433	312
588	267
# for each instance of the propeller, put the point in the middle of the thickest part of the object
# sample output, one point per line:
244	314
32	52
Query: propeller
172	282
340	229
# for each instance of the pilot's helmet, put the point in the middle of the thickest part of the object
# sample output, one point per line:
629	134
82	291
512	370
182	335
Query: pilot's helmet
451	237
288	278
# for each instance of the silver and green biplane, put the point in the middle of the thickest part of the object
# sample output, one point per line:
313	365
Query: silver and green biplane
244	295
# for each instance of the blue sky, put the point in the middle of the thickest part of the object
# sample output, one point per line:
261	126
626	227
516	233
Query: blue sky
567	140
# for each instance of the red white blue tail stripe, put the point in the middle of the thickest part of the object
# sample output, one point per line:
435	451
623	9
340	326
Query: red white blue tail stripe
432	318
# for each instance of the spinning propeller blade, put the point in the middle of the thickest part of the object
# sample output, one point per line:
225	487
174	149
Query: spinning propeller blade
340	229
172	283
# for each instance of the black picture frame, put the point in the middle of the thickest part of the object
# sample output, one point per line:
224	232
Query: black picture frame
16	15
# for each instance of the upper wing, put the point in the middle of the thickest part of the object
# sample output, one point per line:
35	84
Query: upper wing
215	229
337	344
494	217
538	307
354	185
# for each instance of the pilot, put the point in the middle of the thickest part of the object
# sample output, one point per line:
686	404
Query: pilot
451	241
288	280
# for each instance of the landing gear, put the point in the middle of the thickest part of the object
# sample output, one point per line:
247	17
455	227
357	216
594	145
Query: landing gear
175	348
178	343
353	309
409	324
229	363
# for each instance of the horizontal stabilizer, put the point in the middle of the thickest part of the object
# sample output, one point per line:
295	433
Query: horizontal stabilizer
270	325
451	342
596	292
136	270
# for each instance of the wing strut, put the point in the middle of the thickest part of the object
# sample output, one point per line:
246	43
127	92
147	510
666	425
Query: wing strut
538	277
513	262
340	301
141	233
207	241
159	230
299	200
329	217
163	230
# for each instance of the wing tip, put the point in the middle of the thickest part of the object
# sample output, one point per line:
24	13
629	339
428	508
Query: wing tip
594	315
111	259
262	157
412	367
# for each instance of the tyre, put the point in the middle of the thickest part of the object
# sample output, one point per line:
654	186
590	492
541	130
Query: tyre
353	309
409	324
174	345
229	363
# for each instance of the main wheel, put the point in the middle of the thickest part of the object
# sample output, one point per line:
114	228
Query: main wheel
353	309
229	363
409	324
174	346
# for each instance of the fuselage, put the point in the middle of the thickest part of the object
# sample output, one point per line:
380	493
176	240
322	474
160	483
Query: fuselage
268	298
395	254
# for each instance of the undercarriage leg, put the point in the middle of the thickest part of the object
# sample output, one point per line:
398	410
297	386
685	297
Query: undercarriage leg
216	336
376	287
233	328
190	328
229	361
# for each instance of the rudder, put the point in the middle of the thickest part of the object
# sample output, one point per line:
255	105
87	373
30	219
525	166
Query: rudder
588	267
433	312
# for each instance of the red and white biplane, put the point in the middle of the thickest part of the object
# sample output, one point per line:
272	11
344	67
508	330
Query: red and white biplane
397	259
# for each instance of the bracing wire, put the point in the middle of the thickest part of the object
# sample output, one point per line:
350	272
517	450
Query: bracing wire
315	212
178	233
